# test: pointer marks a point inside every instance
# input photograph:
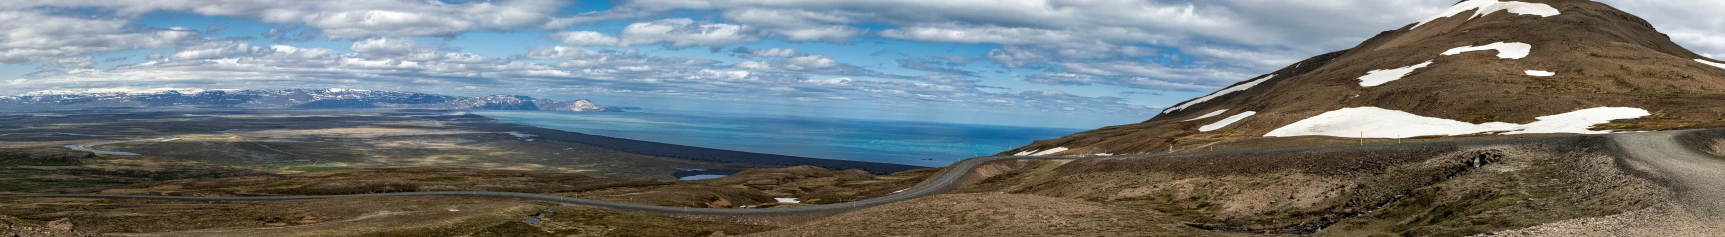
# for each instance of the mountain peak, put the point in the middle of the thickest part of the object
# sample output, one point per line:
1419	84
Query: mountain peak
1486	7
1481	67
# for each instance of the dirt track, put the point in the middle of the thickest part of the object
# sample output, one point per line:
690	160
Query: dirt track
1698	179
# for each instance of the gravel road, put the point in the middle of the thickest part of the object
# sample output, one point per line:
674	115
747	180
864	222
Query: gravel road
1698	209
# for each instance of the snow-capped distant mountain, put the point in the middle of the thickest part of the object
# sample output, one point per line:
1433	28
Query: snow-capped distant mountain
332	98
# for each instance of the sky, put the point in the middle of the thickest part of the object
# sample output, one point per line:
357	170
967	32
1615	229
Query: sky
1044	63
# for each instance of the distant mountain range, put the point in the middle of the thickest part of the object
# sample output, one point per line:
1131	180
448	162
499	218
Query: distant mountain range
334	98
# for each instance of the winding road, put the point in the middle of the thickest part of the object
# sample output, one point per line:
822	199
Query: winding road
1698	178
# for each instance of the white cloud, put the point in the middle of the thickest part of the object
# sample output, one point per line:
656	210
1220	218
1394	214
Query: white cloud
797	25
33	36
350	19
584	38
217	49
810	62
684	32
1694	24
775	52
383	46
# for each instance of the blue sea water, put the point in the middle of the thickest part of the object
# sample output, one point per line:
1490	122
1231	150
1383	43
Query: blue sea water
910	143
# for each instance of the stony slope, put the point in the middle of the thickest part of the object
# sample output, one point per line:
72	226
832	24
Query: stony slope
1490	68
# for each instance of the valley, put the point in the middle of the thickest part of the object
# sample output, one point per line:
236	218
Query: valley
1490	118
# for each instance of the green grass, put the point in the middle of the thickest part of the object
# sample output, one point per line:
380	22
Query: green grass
318	168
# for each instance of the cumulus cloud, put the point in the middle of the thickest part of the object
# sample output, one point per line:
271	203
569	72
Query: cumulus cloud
584	38
1694	24
217	49
383	46
797	25
58	41
350	19
685	32
745	52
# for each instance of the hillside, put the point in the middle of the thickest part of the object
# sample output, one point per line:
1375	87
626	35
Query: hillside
1482	67
333	98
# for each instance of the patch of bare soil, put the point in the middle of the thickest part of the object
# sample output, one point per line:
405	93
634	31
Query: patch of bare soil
991	214
760	188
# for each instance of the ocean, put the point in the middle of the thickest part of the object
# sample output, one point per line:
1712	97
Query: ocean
899	142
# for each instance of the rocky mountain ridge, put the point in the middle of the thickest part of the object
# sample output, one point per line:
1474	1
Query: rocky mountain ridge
333	98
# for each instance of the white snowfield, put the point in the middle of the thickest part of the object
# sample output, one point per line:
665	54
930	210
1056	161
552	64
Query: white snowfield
1376	122
1225	122
1704	61
1505	50
1224	91
1486	7
1039	153
1379	77
1539	73
1205	116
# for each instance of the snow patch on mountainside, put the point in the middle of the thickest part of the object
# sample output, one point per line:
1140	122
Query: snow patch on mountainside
1205	116
1486	7
1539	73
1226	121
1040	153
1505	50
1379	77
1049	151
336	90
1224	91
1579	120
1373	122
1704	61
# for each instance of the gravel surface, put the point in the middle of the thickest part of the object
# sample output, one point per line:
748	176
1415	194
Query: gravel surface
1698	208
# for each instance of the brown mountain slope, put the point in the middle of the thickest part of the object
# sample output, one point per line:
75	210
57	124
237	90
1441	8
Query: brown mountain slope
1601	57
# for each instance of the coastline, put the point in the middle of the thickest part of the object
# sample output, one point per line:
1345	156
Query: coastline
681	151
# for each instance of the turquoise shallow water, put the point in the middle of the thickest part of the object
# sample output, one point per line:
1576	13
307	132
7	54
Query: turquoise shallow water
910	143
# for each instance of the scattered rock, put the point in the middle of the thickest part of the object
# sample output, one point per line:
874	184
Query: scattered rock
61	224
308	220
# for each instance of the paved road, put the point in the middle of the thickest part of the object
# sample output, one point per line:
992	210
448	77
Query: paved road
1701	178
1698	177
